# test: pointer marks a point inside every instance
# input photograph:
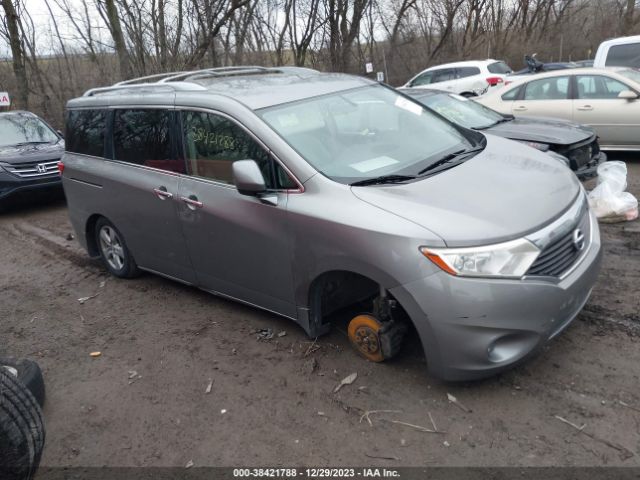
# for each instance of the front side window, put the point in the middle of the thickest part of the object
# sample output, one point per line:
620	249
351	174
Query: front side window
23	128
599	87
364	133
213	142
85	132
623	56
552	88
143	137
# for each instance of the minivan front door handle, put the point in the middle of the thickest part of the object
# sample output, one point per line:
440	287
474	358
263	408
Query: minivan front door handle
585	107
192	202
162	194
521	108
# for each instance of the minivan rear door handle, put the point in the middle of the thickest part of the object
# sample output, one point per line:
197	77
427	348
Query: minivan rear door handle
585	107
162	194
192	202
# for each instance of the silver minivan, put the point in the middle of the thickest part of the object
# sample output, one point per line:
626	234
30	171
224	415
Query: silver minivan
305	193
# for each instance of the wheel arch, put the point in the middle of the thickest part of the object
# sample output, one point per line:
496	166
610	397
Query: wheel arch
90	234
334	289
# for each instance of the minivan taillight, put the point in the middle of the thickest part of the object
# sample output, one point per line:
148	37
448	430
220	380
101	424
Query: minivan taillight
493	81
60	167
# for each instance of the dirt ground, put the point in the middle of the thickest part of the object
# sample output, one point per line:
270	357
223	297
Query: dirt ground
143	402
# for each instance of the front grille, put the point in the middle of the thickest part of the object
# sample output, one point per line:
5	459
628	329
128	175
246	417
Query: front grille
35	169
560	255
582	155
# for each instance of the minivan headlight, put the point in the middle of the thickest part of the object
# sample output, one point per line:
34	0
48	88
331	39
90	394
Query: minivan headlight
509	259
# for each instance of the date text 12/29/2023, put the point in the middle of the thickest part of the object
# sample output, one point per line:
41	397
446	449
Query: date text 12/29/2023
287	473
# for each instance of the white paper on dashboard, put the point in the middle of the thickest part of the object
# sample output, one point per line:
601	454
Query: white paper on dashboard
373	163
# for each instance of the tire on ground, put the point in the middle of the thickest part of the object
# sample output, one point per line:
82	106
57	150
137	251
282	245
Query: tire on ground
22	432
129	268
29	374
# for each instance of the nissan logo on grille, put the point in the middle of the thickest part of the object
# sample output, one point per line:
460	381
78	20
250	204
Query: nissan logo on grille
578	239
41	168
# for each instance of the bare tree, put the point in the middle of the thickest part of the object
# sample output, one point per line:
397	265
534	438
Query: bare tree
17	52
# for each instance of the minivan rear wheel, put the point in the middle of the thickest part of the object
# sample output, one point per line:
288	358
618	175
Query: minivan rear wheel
113	250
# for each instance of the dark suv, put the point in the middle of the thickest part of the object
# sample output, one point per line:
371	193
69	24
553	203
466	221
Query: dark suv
29	153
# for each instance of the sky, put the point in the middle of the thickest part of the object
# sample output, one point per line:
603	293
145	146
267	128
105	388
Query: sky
43	25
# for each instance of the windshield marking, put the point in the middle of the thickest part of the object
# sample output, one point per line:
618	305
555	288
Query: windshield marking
373	164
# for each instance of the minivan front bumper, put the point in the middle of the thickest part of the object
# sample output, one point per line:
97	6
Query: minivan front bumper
472	328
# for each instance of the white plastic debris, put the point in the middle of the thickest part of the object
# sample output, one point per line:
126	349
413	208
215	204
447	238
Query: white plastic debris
608	200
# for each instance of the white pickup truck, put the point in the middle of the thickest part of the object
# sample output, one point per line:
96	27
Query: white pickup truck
619	52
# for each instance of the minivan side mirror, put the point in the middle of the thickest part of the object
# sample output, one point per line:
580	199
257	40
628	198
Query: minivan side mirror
248	177
628	95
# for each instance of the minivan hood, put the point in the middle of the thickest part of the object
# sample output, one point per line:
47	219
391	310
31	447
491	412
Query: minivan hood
504	192
543	130
31	152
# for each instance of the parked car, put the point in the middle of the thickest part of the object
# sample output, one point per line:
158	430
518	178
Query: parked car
584	63
575	145
618	52
304	193
470	78
533	65
29	153
604	99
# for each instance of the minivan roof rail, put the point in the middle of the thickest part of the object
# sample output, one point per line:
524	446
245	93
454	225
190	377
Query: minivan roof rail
182	80
218	72
182	86
157	76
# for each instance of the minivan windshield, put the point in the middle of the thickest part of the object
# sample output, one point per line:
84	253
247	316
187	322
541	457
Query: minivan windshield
461	110
23	128
365	133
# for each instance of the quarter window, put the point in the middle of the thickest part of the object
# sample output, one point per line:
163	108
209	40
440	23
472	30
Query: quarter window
599	87
552	88
213	142
85	132
142	137
511	94
499	67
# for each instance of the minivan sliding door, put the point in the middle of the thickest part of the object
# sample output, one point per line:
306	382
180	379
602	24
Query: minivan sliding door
239	245
144	190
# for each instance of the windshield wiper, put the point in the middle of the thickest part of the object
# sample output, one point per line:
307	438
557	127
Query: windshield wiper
497	122
382	180
448	160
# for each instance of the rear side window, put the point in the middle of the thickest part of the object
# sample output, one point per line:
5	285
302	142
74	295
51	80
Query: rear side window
85	132
468	71
499	67
552	88
142	137
623	56
444	75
